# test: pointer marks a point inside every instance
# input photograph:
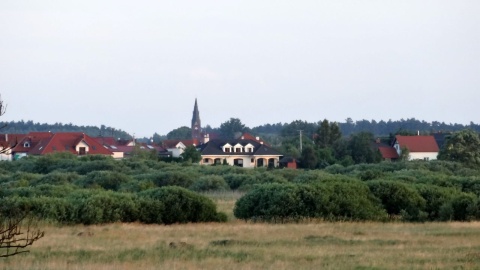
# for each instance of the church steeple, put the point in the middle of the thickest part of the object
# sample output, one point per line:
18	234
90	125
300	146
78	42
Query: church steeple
196	123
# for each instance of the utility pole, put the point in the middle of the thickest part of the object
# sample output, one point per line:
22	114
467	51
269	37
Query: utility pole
300	140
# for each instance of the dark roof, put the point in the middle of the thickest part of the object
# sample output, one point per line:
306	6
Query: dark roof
214	147
441	138
288	159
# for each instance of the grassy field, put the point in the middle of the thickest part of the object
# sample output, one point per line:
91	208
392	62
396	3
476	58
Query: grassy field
240	245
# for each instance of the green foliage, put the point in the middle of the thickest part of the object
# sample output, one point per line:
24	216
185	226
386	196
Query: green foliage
309	158
399	199
109	180
361	150
182	206
209	183
463	207
191	154
287	202
181	133
462	146
231	128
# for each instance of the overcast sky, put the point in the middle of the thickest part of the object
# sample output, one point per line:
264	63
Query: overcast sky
139	65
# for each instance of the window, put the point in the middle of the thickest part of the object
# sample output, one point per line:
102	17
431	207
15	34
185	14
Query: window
238	150
205	160
227	150
426	158
82	151
252	160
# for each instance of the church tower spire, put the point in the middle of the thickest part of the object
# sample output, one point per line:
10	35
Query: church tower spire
196	123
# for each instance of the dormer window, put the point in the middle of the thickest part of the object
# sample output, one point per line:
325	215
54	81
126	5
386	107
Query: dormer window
249	148
26	144
238	148
227	148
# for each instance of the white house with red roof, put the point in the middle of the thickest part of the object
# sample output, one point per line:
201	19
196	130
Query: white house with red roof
419	147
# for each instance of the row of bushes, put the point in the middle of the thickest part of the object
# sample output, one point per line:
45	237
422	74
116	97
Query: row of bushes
165	205
356	200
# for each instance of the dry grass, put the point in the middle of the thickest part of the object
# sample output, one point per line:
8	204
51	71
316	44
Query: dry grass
240	245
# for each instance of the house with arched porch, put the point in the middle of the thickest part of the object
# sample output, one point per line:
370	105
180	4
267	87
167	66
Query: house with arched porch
241	152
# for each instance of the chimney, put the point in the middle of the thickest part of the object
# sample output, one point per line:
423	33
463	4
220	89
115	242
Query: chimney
257	138
418	132
206	138
6	138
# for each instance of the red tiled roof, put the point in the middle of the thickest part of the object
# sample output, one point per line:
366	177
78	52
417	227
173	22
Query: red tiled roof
418	143
388	152
248	136
33	138
66	142
10	140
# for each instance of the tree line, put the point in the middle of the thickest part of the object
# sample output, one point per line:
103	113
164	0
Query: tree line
24	127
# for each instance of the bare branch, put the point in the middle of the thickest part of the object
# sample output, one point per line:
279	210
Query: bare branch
17	233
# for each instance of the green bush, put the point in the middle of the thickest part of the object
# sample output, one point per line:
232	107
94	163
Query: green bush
209	183
57	178
398	198
109	180
462	207
182	206
330	200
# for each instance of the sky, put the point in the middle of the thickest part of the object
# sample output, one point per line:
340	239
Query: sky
139	65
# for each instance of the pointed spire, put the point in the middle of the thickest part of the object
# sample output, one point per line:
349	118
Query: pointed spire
196	114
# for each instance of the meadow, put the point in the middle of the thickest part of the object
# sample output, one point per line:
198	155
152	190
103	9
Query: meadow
246	245
99	213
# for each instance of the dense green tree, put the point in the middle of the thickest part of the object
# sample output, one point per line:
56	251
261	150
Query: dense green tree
309	158
327	134
360	146
463	146
191	154
292	129
181	133
232	127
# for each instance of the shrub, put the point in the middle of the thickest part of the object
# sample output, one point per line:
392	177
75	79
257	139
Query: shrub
462	207
182	206
57	178
109	180
398	198
209	183
331	200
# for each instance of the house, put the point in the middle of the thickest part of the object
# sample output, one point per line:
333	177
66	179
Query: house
239	152
126	148
177	147
7	142
42	143
419	147
26	144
